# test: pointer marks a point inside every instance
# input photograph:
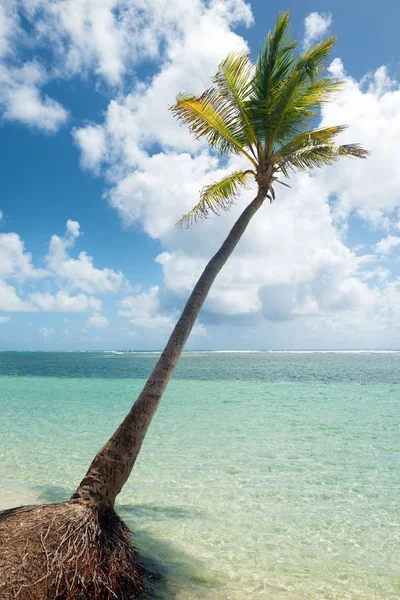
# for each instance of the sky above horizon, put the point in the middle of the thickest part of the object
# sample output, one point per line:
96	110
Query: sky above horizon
95	172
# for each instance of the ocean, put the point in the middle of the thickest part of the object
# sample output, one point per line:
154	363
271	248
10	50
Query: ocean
264	475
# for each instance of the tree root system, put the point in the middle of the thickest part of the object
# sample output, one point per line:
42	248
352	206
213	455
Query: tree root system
67	551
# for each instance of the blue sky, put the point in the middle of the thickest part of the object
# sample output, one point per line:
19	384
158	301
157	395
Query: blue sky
95	172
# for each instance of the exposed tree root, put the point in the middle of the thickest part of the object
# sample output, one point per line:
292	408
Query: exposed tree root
67	551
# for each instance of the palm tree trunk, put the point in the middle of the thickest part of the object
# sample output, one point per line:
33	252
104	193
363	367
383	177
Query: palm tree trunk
112	466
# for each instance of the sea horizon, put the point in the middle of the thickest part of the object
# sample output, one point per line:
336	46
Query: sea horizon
222	351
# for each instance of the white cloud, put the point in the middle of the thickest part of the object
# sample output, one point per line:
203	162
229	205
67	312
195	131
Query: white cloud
138	193
10	301
295	249
63	302
316	25
16	268
79	273
4	320
73	228
141	118
46	332
8	26
312	267
372	109
11	31
91	139
1	216
97	320
14	261
293	262
386	245
21	99
143	309
134	122
107	38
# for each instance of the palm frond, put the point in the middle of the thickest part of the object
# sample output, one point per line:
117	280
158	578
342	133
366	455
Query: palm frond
293	114
207	116
281	103
353	151
320	156
313	61
312	96
217	196
308	139
275	59
234	84
288	90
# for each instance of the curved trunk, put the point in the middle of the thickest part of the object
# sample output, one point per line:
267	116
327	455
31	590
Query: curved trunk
112	466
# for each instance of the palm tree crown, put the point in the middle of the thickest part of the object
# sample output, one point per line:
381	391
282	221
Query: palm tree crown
265	112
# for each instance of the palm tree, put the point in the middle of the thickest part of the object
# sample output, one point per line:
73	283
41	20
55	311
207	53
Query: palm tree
265	114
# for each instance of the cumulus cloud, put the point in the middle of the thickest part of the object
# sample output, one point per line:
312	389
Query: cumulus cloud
291	249
4	320
143	309
295	250
46	332
14	261
68	274
79	273
137	194
63	302
293	262
7	27
74	38
387	244
372	108
110	36
91	139
139	119
315	26
98	321
10	300
21	99
73	228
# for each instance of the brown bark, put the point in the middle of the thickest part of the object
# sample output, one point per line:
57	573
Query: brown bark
112	466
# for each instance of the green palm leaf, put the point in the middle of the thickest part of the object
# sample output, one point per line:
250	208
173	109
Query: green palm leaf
308	139
275	59
320	156
219	195
314	60
234	83
205	120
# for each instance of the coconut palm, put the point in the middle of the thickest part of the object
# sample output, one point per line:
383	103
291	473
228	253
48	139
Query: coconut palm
264	113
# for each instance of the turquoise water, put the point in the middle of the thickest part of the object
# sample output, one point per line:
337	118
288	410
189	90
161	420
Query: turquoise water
263	475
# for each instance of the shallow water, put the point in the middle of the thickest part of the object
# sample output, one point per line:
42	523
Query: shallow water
263	475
